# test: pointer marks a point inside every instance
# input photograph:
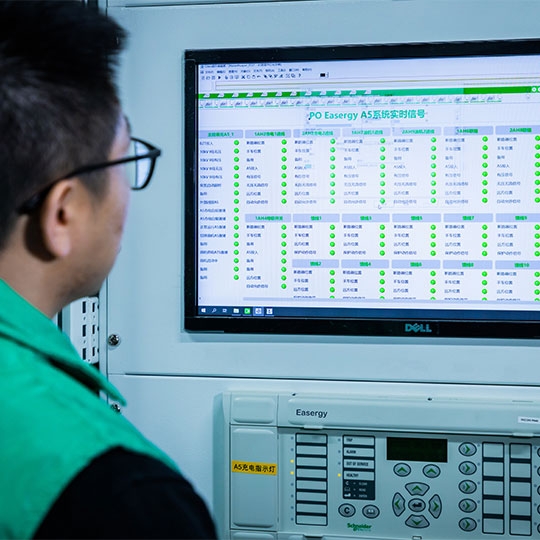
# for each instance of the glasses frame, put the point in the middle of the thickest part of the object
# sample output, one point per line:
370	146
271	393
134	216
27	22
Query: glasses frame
35	201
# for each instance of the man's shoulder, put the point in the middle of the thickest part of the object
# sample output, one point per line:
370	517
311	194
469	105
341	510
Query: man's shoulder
50	418
123	494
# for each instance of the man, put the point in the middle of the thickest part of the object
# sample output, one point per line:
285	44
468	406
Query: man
70	467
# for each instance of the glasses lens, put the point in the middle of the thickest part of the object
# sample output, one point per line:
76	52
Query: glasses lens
139	171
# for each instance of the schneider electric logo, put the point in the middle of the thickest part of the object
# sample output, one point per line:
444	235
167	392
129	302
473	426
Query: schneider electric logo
359	527
417	328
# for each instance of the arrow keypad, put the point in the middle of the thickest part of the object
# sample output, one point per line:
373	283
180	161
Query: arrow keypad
418	518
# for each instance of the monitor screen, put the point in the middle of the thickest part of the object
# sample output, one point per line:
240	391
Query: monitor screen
364	190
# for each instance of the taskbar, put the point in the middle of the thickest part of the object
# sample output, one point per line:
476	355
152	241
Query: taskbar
371	313
233	311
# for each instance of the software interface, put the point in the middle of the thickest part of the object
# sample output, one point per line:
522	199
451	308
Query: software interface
404	183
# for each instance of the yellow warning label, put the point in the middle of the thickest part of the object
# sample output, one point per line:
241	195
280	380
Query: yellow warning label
249	467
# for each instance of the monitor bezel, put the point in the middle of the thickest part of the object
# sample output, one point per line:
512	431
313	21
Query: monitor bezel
380	324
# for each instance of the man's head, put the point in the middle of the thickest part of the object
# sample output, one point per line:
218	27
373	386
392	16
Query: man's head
58	103
59	111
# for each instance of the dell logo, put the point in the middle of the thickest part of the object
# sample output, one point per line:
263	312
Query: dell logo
417	328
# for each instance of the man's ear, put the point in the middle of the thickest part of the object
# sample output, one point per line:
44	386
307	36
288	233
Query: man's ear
59	216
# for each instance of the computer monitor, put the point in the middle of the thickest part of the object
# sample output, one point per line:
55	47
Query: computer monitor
386	190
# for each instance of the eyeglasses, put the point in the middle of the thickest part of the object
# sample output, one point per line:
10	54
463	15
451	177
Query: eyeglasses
140	166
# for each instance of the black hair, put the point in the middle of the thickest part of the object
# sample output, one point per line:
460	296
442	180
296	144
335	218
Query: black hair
59	105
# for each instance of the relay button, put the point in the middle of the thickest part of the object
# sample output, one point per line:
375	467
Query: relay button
417	488
347	510
398	504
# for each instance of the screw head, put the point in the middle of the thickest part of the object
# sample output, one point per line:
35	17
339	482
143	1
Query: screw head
113	340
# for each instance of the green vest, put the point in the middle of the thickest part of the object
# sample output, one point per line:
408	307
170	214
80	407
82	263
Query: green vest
52	422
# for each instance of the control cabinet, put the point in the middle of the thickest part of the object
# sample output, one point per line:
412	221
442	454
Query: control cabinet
303	466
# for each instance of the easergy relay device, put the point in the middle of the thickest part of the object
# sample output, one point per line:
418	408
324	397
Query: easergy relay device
299	466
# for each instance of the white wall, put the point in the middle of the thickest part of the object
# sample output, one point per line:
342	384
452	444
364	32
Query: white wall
171	377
